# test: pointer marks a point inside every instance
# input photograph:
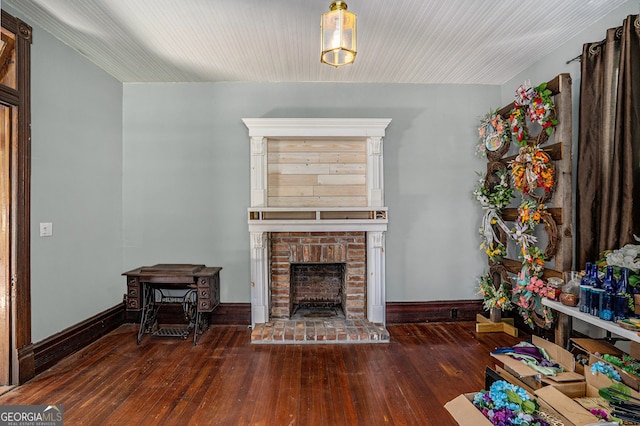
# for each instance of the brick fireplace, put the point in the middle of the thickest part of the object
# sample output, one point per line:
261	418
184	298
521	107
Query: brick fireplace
326	268
317	205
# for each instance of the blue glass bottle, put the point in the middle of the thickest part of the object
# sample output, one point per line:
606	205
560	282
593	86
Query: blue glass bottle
623	283
596	291
620	304
608	297
594	279
584	302
585	278
609	283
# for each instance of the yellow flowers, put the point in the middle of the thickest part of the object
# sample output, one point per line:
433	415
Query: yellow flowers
495	253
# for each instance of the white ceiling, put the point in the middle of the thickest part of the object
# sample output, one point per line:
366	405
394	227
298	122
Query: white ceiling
399	41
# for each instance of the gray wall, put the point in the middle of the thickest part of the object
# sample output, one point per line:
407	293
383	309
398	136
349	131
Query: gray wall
76	183
147	173
186	176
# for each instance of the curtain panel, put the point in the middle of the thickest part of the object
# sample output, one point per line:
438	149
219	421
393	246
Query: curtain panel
608	166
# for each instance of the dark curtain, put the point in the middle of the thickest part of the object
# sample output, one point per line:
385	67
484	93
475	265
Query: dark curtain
608	168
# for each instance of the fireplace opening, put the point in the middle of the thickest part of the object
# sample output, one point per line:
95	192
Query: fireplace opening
317	290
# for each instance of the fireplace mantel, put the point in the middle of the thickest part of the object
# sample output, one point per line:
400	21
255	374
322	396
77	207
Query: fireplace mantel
370	218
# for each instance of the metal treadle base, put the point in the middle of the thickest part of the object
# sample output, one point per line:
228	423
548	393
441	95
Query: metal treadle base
181	332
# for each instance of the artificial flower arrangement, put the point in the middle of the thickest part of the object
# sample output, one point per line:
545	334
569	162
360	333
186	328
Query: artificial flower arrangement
626	363
531	169
494	132
529	216
493	201
628	257
528	291
507	404
530	213
533	258
499	298
617	392
536	104
500	194
606	369
529	288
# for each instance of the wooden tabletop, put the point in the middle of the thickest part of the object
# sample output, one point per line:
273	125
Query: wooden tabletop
172	271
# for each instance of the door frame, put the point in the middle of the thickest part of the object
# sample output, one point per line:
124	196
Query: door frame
22	361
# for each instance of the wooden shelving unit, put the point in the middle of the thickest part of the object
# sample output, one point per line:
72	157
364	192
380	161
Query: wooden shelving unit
558	147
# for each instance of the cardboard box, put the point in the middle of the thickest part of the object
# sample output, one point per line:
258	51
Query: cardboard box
465	413
630	380
585	347
569	380
568	407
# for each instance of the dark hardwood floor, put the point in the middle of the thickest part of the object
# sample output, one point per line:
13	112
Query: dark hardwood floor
227	381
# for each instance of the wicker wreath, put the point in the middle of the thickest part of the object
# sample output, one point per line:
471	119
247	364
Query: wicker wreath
551	228
500	152
532	140
493	167
498	270
540	321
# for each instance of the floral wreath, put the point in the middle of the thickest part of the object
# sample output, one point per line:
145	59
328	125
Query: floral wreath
494	132
531	169
529	288
530	213
494	201
499	196
499	297
528	291
535	103
529	216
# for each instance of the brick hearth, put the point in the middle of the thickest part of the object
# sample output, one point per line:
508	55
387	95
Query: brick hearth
319	331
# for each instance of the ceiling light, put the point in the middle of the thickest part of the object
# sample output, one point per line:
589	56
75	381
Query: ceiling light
338	35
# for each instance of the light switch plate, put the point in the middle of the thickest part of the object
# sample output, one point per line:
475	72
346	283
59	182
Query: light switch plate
46	229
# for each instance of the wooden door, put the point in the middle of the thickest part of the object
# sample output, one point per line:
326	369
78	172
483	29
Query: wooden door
5	245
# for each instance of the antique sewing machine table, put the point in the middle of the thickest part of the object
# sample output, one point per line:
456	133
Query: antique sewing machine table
150	287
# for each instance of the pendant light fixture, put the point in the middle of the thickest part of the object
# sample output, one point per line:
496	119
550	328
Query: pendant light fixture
338	35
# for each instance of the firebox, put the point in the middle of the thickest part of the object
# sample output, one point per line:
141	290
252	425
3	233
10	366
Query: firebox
317	287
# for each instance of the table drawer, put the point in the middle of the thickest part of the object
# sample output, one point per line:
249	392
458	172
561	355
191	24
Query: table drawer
133	304
204	305
133	295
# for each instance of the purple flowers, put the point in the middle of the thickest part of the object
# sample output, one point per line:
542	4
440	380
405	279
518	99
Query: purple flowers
506	404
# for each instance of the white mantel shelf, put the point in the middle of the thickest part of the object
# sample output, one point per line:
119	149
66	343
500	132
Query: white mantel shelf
309	219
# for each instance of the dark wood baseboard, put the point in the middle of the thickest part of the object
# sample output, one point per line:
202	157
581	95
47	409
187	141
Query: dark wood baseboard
54	348
26	364
396	312
231	314
438	311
